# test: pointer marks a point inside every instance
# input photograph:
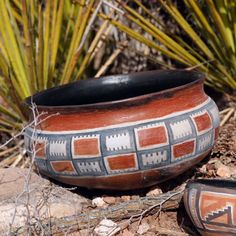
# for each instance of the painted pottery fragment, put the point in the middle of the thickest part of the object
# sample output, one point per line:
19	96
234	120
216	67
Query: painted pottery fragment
211	205
124	131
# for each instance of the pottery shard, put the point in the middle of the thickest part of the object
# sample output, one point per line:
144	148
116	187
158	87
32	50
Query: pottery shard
109	200
106	228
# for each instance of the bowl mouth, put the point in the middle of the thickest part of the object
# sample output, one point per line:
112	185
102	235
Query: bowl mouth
218	183
114	89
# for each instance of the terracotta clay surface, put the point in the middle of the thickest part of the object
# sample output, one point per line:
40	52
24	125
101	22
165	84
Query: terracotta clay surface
211	204
110	140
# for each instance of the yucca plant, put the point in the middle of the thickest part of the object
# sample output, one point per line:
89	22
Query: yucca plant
43	43
208	41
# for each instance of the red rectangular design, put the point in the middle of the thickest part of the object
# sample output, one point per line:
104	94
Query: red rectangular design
203	122
62	166
121	162
40	149
152	136
88	146
183	149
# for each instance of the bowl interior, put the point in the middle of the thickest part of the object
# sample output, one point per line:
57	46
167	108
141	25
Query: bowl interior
114	88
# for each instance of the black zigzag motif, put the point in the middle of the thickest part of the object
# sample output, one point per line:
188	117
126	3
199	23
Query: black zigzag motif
227	210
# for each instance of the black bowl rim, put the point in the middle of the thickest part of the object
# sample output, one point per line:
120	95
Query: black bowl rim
217	182
200	77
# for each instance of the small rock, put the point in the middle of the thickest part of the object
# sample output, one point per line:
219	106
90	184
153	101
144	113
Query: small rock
106	227
98	202
125	198
109	200
143	228
224	171
154	192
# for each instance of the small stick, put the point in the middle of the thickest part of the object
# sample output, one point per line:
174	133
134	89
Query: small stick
225	111
159	204
9	150
113	7
9	160
117	212
25	163
17	160
108	62
227	116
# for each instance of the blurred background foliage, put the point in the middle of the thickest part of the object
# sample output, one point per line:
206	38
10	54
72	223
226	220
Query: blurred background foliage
194	34
44	43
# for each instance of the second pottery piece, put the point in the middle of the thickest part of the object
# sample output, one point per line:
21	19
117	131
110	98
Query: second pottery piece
211	204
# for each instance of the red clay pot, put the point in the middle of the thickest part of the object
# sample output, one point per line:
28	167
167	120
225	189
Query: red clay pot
211	205
124	131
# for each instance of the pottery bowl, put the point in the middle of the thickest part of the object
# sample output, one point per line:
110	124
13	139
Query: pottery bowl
124	131
211	205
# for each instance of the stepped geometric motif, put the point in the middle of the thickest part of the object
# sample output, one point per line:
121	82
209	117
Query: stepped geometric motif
218	210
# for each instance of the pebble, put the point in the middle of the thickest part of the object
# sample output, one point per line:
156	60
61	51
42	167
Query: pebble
109	200
125	198
98	202
154	192
106	227
143	228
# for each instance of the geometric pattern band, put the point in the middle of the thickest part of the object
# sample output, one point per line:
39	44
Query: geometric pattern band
141	146
213	210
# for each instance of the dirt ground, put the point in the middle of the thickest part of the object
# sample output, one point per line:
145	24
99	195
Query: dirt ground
220	163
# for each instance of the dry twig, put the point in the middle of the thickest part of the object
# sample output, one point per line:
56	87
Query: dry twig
121	211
